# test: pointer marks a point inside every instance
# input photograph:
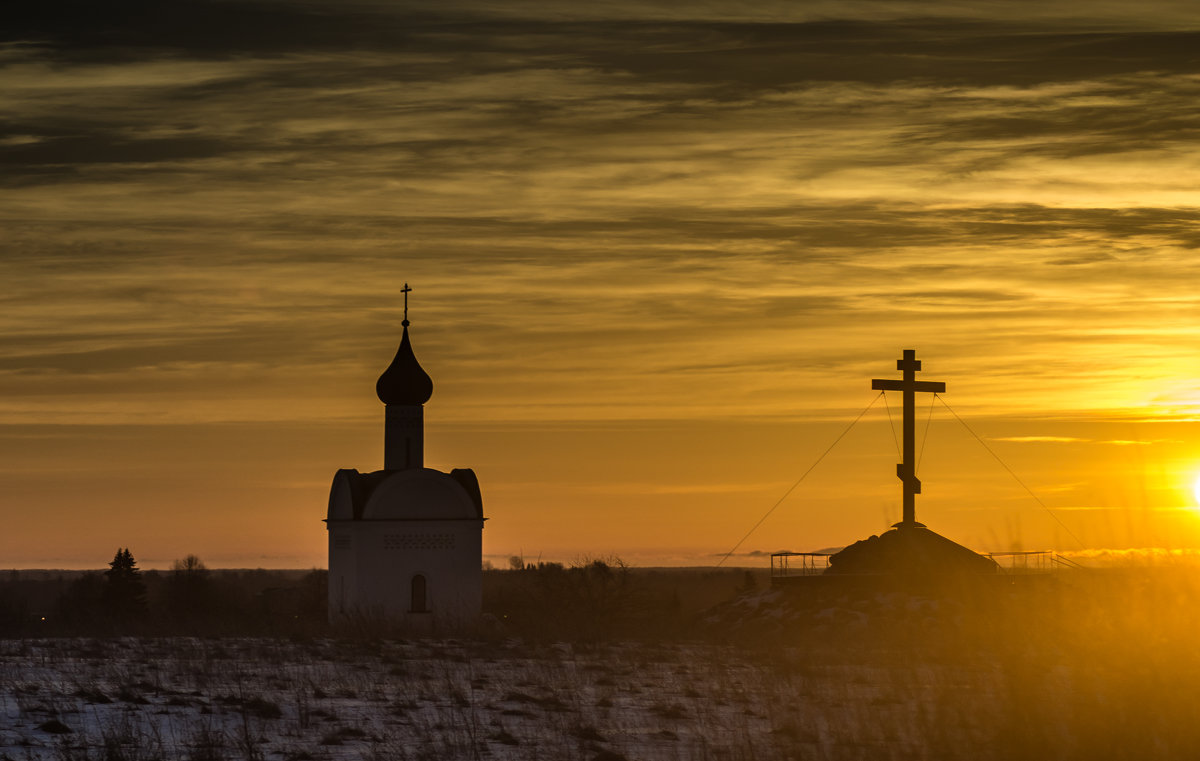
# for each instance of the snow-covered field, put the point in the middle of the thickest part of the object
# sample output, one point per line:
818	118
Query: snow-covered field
203	699
1093	666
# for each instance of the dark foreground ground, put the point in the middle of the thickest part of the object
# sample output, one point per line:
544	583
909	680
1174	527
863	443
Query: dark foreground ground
632	665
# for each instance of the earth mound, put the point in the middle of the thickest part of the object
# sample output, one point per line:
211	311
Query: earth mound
910	551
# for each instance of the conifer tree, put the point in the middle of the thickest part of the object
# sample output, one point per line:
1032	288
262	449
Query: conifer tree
124	589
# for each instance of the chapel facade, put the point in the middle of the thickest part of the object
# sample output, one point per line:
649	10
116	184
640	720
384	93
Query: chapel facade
405	542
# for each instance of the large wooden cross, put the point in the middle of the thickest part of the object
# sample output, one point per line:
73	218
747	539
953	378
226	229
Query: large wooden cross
906	470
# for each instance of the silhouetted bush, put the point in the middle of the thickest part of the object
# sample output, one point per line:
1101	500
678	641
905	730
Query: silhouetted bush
81	606
15	617
591	600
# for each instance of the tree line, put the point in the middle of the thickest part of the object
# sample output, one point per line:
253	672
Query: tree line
187	599
587	600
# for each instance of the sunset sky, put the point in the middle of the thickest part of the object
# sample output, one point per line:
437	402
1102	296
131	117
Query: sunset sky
658	252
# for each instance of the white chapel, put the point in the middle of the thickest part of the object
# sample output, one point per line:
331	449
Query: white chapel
405	542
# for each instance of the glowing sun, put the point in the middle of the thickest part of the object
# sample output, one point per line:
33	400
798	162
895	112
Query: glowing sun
1196	489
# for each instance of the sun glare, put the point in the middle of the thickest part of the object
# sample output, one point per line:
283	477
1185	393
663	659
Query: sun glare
1196	489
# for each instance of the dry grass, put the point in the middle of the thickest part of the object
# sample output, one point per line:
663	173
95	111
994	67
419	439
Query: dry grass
1097	666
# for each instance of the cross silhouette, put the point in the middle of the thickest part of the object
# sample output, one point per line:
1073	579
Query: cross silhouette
906	470
405	290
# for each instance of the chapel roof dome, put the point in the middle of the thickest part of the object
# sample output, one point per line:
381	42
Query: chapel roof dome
404	382
414	494
420	494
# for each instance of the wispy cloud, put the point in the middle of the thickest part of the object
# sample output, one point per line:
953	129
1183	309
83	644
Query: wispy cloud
1040	439
638	210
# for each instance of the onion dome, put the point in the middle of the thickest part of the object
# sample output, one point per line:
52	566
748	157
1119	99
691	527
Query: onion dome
404	382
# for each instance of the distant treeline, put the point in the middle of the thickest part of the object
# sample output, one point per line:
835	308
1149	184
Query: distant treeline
605	600
188	599
588	600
